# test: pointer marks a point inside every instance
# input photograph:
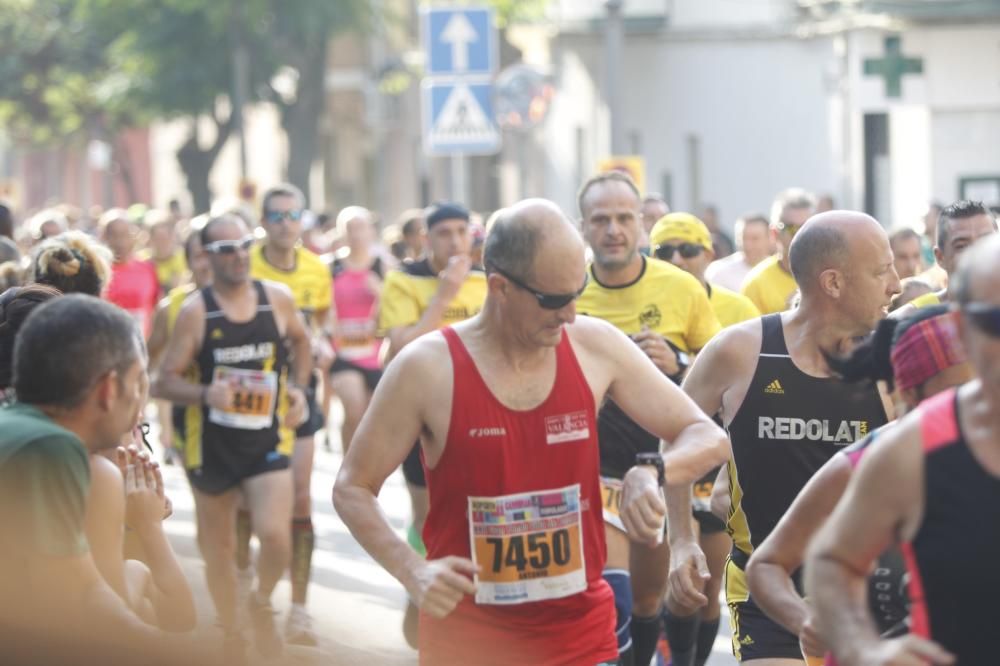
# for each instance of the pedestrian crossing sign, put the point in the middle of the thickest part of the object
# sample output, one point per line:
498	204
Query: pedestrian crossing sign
459	119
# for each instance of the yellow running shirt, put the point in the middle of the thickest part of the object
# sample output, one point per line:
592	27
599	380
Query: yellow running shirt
769	286
408	291
170	271
664	298
730	307
310	280
926	300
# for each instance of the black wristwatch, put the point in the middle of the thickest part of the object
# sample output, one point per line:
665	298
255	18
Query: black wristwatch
656	460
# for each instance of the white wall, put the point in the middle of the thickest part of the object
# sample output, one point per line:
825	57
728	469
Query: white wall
964	143
759	109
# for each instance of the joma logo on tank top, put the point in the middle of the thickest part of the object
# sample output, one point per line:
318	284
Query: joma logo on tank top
244	353
814	430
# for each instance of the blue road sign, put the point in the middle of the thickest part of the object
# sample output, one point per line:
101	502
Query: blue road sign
460	41
458	118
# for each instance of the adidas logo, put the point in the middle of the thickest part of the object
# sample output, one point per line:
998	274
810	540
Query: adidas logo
775	387
746	641
216	334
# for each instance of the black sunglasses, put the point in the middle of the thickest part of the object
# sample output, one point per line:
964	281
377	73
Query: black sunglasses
686	250
546	301
984	316
229	246
278	216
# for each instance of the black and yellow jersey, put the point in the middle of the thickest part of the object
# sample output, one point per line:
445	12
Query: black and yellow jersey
252	355
663	298
407	293
769	286
729	307
309	281
788	426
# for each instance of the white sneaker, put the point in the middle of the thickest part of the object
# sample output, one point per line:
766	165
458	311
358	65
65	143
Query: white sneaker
298	629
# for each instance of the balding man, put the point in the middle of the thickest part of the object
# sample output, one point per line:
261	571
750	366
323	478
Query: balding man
769	380
506	405
932	483
960	225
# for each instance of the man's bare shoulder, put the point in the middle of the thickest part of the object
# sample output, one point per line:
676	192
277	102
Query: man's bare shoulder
593	334
739	343
425	360
193	307
278	292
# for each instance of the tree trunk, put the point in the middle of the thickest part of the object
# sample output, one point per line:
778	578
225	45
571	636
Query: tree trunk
197	163
123	158
300	120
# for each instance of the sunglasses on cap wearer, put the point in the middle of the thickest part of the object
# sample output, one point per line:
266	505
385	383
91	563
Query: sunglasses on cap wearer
279	216
686	250
546	301
229	246
984	316
792	229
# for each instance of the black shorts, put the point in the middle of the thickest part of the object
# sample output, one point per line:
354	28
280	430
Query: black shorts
371	376
413	469
755	635
213	478
619	439
315	421
701	504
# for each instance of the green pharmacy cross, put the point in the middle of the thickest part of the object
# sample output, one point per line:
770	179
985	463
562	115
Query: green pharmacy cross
893	66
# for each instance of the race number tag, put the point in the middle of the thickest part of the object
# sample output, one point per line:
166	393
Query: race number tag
254	395
356	338
529	546
611	501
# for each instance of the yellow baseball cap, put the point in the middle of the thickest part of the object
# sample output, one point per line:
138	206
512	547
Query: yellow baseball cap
682	226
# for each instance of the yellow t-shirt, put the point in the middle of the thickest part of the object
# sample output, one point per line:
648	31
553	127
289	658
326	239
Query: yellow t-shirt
169	272
769	286
175	299
730	307
926	300
407	292
664	298
310	280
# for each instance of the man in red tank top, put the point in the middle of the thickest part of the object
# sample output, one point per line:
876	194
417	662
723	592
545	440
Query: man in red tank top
504	405
933	484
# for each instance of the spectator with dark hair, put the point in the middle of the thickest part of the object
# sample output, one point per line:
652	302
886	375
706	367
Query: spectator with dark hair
76	394
414	232
15	306
961	224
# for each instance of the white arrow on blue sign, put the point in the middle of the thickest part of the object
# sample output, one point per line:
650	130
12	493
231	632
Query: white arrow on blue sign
459	119
460	41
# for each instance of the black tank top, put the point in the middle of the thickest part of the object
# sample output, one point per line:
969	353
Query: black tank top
788	426
952	560
253	356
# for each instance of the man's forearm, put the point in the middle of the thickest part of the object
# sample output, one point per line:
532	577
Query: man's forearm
172	599
838	596
700	447
358	507
177	390
302	365
678	498
773	590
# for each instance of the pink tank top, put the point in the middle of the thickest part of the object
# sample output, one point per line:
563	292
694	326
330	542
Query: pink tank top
135	288
521	488
356	318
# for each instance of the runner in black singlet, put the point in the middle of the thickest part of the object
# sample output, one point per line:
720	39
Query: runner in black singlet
785	413
920	357
931	484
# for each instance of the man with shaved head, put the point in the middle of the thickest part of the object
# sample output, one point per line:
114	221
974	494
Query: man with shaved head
769	381
505	404
931	483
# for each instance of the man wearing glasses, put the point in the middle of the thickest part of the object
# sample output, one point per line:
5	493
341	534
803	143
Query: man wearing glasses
505	404
931	484
770	284
282	258
252	354
667	314
441	289
685	241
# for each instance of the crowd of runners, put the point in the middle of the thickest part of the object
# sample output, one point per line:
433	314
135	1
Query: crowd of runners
609	426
